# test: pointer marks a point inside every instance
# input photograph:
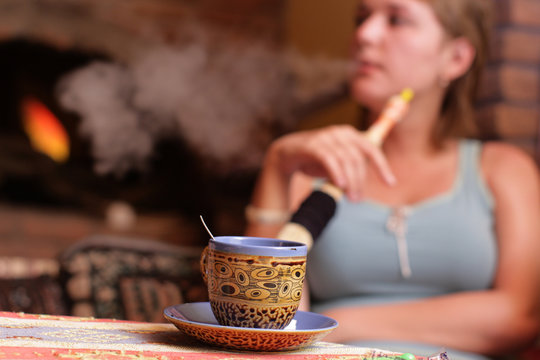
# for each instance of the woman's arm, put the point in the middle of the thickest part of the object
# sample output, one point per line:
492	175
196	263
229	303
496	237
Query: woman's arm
492	321
338	153
489	322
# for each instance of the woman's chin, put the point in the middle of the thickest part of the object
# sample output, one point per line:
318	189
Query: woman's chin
369	95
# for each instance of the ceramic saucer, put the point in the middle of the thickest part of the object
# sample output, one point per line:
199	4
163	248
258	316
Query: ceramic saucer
197	320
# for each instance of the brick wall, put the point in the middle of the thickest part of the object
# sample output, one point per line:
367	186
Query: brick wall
511	95
122	28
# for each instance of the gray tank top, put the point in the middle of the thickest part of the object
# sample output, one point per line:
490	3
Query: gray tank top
447	245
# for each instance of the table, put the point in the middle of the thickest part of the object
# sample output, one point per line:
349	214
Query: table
27	336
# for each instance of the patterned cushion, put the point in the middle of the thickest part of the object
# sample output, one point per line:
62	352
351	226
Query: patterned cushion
130	279
36	295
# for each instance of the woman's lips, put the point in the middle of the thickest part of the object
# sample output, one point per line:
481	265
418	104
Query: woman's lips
365	67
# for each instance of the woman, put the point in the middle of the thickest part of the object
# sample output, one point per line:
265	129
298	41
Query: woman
468	212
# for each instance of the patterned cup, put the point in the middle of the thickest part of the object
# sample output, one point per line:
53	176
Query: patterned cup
254	282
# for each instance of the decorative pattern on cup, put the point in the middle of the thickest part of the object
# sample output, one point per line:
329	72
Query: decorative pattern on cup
254	291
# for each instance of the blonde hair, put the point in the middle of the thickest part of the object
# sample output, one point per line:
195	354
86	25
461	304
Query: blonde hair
470	19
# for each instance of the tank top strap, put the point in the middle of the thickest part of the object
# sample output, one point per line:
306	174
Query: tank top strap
473	182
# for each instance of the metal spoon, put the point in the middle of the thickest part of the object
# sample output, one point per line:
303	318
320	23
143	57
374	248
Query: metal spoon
207	229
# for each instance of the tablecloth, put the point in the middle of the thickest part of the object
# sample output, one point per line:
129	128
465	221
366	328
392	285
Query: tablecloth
31	336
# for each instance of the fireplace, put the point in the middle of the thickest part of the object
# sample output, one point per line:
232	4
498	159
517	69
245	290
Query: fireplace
160	111
171	180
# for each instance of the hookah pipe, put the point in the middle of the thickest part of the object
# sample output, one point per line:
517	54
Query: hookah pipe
308	222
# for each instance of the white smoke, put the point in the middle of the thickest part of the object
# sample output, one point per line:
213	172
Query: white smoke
225	102
102	92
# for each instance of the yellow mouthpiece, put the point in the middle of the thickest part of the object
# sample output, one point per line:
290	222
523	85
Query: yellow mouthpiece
407	94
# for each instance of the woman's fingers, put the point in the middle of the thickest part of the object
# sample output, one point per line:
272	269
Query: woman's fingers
342	158
324	151
341	153
375	154
353	164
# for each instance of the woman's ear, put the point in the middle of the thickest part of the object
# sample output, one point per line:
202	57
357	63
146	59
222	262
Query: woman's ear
461	54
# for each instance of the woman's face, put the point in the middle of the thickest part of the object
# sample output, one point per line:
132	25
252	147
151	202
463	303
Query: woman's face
397	44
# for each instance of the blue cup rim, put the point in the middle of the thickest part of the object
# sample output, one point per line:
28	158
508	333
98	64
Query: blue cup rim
261	246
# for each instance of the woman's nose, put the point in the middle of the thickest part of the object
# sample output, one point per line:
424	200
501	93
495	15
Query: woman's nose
370	30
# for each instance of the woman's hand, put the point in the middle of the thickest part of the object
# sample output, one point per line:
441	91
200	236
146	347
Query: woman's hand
340	153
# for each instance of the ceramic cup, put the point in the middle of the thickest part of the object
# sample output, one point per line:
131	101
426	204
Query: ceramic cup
254	282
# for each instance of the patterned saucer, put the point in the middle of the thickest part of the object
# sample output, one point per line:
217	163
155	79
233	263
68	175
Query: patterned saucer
197	320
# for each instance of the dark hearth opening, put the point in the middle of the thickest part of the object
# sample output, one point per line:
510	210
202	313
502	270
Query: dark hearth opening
174	181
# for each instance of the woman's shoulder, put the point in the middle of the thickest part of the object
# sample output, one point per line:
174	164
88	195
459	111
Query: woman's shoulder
500	156
504	165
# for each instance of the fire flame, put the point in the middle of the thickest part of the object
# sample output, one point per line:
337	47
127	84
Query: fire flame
46	133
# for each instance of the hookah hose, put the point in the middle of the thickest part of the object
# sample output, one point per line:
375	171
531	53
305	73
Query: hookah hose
308	222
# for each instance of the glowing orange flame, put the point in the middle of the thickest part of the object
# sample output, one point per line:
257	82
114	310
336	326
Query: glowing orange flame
46	133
